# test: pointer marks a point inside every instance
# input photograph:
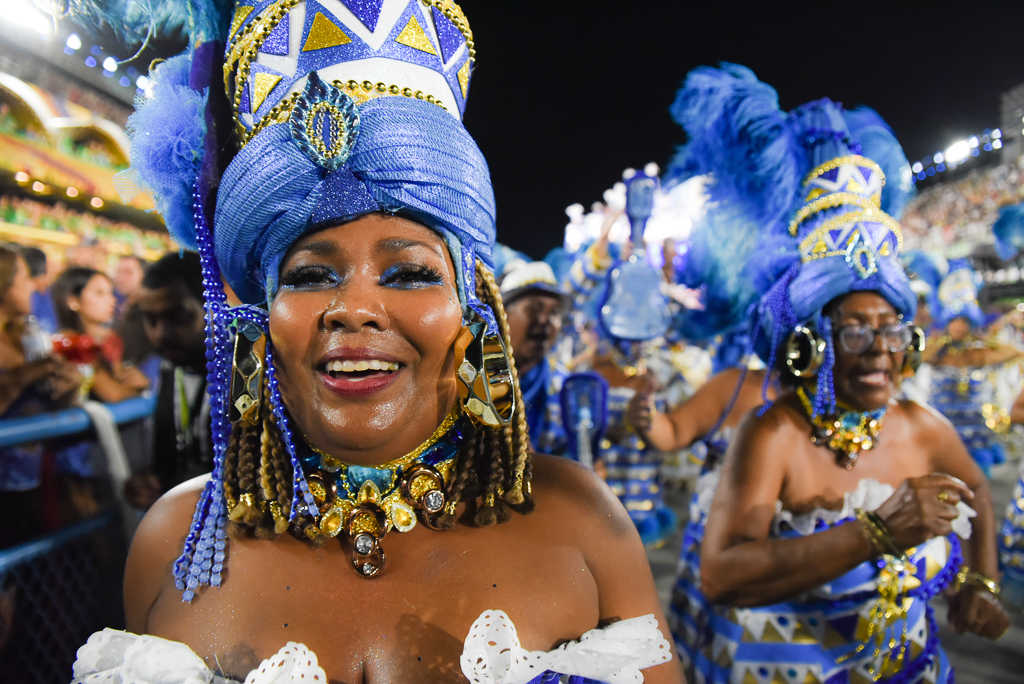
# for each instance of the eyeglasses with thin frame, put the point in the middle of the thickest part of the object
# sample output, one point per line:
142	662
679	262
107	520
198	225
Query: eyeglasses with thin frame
858	338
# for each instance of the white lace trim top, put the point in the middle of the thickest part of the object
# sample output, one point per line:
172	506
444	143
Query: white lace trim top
868	496
492	655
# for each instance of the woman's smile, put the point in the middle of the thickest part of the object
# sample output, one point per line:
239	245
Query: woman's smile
358	371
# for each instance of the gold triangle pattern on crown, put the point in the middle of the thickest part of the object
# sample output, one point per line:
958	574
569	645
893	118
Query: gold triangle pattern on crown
420	49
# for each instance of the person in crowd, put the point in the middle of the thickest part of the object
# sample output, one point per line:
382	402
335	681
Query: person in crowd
127	278
170	305
536	306
624	293
831	524
27	386
84	301
42	302
964	365
374	394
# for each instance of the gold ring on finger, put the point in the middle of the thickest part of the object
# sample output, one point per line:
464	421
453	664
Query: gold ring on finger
944	496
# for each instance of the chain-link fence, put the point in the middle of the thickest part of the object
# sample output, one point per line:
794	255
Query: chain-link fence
55	592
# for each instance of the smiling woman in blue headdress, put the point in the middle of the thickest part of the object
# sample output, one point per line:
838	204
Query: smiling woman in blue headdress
373	495
831	523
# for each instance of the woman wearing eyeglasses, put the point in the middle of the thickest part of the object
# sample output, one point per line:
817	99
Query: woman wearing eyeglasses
831	524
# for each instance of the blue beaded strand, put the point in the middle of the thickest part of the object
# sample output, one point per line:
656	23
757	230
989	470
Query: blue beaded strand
825	398
202	560
300	489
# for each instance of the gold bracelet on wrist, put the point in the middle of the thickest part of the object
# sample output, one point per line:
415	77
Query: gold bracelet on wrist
968	576
868	532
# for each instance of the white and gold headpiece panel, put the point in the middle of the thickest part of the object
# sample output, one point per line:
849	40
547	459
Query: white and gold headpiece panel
842	217
369	48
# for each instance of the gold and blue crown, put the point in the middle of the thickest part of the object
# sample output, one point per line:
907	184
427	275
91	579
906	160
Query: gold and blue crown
842	217
419	49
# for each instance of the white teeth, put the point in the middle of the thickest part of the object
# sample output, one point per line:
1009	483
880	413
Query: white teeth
348	366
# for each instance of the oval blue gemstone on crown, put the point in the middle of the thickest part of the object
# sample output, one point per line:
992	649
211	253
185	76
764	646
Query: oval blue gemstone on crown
324	123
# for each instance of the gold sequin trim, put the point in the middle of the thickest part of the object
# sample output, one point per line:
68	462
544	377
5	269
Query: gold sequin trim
455	15
853	159
359	92
829	201
873	215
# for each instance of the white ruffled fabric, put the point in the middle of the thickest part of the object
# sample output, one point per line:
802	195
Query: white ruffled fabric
115	657
868	496
613	654
492	655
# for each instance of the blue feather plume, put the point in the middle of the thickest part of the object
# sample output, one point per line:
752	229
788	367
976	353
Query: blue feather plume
878	143
1009	231
167	133
137	21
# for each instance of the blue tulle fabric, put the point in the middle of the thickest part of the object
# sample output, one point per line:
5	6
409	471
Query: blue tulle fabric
167	133
410	158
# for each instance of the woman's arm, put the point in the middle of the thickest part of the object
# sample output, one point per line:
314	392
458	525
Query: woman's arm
109	389
687	422
740	564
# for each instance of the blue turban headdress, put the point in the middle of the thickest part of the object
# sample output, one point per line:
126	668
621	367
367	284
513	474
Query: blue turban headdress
820	184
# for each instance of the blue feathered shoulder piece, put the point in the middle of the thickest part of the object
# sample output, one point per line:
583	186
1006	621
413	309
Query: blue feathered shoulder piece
1009	231
167	133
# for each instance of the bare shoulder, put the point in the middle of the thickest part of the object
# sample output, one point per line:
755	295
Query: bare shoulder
925	420
765	428
157	544
565	490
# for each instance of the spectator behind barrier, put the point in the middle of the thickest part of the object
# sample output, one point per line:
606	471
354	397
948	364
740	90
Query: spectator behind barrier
171	304
84	301
127	279
42	303
27	386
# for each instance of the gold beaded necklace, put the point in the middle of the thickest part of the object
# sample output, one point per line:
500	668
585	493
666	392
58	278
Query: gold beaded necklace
366	502
847	433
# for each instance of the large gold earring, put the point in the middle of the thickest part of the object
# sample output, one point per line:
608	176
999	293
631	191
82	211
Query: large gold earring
913	358
805	352
485	377
247	373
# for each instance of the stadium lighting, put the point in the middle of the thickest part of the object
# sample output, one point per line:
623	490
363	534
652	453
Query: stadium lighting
938	158
996	144
996	134
72	192
957	152
74	42
918	167
96	202
110	64
973	141
21	13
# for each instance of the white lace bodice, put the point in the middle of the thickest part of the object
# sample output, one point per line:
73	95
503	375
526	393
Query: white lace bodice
492	655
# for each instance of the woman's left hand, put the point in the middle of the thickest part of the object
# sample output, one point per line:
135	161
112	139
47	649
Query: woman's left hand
976	609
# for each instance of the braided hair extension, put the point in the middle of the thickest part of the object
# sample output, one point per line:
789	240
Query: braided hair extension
516	435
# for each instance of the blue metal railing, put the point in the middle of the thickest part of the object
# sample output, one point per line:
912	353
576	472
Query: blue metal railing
69	422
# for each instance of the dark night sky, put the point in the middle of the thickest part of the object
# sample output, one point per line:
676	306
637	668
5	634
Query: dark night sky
566	94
